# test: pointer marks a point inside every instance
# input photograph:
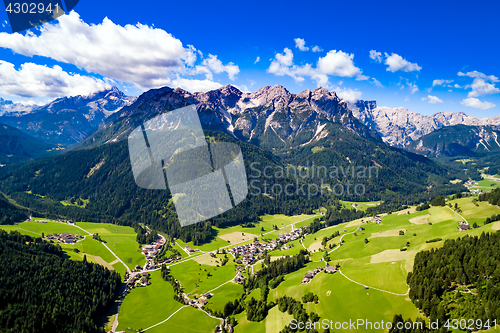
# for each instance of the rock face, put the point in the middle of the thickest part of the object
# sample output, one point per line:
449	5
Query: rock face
271	117
68	120
400	127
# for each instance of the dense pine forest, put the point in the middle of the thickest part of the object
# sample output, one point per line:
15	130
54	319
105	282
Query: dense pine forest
43	292
10	213
461	280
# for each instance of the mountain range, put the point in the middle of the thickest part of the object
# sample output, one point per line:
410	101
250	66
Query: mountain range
274	129
67	120
400	127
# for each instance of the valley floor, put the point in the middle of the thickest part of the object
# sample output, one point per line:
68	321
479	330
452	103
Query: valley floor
374	259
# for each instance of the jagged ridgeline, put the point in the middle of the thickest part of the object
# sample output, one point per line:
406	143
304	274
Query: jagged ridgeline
299	150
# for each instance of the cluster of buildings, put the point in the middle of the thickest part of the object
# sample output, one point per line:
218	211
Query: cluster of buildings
153	248
137	280
68	238
311	274
290	236
376	219
239	278
253	251
198	302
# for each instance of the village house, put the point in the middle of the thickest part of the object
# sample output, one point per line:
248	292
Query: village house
190	250
311	274
330	269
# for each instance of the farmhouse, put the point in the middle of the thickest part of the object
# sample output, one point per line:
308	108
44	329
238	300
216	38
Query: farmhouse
464	227
310	274
330	269
190	250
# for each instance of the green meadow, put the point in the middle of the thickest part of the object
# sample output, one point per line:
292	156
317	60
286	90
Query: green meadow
199	279
120	239
146	306
35	229
189	320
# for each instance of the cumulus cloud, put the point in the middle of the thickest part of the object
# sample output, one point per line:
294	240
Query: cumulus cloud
301	44
395	63
475	103
377	56
349	95
336	63
440	82
192	85
140	54
32	80
317	49
457	86
434	99
215	65
481	86
256	60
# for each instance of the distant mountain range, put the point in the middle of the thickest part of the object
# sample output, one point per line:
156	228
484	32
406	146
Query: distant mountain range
66	120
400	127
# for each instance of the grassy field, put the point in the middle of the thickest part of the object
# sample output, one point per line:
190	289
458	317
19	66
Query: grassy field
359	205
146	306
35	229
120	239
267	223
224	294
189	320
195	279
486	185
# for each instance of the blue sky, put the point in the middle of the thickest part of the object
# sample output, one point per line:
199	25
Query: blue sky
427	56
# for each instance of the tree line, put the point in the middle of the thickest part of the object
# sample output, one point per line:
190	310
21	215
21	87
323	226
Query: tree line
41	291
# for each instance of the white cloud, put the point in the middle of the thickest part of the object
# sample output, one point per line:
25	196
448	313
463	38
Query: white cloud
407	99
376	82
377	56
492	78
301	44
395	63
480	85
338	63
349	95
440	82
140	54
475	103
457	86
434	99
216	66
32	80
413	87
256	60
194	85
317	49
